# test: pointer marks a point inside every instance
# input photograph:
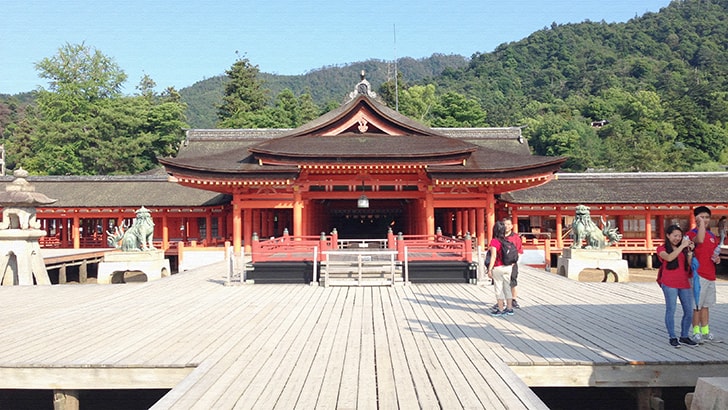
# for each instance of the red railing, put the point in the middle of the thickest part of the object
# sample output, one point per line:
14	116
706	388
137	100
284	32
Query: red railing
418	248
433	248
289	248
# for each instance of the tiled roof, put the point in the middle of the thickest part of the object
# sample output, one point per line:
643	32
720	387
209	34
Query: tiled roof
120	191
627	188
361	131
383	134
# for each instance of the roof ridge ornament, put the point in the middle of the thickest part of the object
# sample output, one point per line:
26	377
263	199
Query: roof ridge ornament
362	88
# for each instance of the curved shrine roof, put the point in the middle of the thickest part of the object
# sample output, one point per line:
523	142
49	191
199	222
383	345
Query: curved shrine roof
360	132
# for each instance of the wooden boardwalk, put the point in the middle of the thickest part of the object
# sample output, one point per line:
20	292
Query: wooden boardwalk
300	346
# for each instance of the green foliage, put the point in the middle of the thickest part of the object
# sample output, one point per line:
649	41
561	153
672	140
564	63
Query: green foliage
88	128
327	85
244	95
82	71
244	103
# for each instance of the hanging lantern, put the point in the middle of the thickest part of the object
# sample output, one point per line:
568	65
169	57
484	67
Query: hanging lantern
362	202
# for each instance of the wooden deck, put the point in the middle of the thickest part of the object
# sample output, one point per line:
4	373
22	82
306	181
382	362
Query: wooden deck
300	346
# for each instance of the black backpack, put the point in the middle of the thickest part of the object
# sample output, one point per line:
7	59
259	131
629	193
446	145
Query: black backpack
509	252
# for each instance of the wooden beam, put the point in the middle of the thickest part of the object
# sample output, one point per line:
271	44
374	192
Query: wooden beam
92	377
653	375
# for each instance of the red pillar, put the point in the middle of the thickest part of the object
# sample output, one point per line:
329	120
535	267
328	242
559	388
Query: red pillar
297	212
237	226
429	212
471	221
248	228
480	225
489	214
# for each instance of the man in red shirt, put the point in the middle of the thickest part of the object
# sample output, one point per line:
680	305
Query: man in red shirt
706	245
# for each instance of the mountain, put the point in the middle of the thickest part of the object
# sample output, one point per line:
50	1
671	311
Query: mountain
326	84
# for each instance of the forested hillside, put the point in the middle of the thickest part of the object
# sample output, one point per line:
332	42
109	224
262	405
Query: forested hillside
650	94
326	85
660	81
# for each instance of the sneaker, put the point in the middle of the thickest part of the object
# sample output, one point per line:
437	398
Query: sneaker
711	338
497	313
515	304
686	341
696	338
508	312
675	343
494	307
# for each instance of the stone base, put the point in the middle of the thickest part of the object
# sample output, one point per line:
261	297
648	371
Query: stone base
710	393
115	264
20	260
573	261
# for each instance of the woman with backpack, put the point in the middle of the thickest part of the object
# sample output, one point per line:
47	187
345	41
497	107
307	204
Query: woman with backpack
499	272
674	279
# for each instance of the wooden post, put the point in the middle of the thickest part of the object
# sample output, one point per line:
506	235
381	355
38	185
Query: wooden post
62	279
468	248
390	239
400	248
83	272
547	255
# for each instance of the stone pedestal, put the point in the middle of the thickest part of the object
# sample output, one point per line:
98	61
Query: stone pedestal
115	264
710	393
20	260
573	261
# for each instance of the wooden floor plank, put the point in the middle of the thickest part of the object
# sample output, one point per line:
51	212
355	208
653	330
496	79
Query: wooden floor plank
301	346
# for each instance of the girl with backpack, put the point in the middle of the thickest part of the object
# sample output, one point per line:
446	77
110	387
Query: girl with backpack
500	273
674	279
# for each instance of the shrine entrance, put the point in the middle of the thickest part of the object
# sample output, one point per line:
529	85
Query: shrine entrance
366	223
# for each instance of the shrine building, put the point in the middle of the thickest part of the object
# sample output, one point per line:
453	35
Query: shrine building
361	169
365	172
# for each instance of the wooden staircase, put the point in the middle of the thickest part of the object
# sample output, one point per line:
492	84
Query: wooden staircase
370	267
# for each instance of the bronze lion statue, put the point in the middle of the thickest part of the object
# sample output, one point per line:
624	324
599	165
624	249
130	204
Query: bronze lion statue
137	237
584	230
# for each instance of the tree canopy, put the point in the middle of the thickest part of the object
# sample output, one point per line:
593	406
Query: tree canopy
646	95
82	125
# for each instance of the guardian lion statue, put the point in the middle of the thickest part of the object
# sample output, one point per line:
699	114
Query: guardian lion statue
584	230
137	237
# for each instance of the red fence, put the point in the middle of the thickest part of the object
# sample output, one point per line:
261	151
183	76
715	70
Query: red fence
418	247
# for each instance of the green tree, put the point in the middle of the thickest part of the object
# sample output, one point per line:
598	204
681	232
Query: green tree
417	102
456	110
82	71
244	96
72	130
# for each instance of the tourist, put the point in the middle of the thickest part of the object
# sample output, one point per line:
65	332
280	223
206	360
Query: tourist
499	273
706	245
516	239
674	279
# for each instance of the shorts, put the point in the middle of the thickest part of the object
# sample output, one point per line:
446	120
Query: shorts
707	293
514	276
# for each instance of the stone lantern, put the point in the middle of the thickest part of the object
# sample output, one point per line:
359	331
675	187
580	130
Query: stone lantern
21	262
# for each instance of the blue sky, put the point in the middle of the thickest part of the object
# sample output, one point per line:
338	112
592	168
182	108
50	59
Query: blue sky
182	42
